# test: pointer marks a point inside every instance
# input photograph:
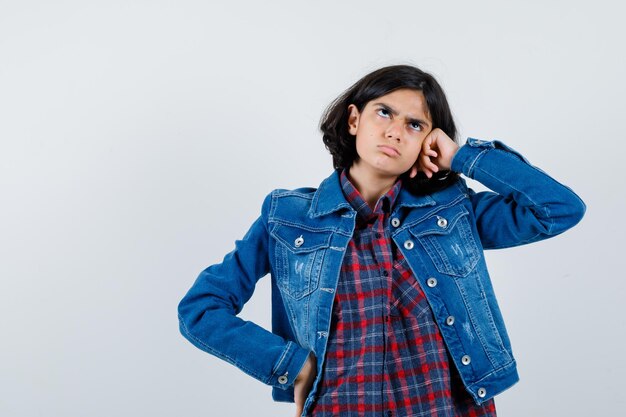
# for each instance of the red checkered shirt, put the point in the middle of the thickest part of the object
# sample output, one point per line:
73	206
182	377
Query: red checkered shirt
385	355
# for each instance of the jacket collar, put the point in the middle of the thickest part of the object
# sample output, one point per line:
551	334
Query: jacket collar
329	198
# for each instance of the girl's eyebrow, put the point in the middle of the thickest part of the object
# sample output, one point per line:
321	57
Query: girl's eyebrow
395	113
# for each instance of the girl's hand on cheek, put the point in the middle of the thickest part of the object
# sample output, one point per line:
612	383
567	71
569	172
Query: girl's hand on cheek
436	153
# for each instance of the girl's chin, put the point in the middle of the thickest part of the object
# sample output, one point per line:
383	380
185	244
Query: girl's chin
385	167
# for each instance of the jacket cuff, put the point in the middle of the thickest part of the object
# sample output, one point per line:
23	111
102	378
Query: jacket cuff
466	157
289	366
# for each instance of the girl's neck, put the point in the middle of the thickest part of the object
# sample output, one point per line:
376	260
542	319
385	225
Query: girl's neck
370	185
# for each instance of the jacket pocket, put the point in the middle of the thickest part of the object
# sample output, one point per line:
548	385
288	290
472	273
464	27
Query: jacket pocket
447	238
299	256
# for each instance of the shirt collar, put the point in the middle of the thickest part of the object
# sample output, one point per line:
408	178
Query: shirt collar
329	198
356	200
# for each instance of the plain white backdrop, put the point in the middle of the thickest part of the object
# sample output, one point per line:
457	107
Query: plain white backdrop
138	139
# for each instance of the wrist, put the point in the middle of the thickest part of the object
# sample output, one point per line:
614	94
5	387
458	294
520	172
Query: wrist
455	150
306	369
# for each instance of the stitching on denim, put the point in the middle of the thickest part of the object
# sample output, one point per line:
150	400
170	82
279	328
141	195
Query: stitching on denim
509	365
294	193
430	213
470	170
472	318
492	322
282	357
510	185
220	354
538	206
281	221
279	238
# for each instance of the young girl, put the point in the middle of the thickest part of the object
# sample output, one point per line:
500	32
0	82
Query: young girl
382	304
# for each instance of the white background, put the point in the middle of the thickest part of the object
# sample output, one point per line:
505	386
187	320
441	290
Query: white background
138	139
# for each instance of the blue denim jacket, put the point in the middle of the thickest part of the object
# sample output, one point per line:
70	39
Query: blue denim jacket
300	239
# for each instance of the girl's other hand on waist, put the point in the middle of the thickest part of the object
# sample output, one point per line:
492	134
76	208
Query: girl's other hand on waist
304	382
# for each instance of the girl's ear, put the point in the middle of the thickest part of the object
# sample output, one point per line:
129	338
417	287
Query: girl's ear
353	119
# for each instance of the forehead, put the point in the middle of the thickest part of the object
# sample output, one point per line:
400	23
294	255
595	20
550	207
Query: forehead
405	101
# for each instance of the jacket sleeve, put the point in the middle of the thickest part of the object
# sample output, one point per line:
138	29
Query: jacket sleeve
525	205
207	314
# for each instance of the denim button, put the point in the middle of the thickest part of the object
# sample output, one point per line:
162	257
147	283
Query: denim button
482	392
465	360
283	379
299	241
431	282
408	244
395	222
450	320
441	222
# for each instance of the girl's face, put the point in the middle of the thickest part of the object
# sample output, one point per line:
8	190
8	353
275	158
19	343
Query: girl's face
390	131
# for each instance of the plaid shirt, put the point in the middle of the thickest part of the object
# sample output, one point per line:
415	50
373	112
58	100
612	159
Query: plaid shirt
385	355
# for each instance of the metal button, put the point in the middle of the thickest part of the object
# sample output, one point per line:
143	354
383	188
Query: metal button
441	222
482	392
283	379
465	360
450	320
431	282
395	222
408	244
299	241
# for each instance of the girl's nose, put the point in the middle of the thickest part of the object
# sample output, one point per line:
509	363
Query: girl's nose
394	131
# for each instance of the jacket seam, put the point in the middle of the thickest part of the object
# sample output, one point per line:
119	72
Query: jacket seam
282	357
546	220
219	354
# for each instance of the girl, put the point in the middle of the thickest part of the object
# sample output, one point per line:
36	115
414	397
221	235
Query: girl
382	304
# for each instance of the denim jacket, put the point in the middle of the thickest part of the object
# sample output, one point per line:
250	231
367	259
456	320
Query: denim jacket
300	239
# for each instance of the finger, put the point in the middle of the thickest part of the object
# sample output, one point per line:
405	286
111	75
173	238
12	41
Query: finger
413	171
427	144
429	165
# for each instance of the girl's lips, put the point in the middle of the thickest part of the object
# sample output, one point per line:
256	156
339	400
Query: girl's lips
389	150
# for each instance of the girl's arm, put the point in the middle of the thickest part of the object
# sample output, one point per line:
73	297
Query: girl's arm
525	204
208	313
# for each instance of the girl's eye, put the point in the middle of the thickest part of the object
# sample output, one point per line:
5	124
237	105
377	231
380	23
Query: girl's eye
416	126
386	112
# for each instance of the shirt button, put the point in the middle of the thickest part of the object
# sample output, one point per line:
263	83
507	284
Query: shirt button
395	222
482	392
408	244
450	320
389	413
441	222
386	273
299	241
283	379
431	282
377	235
465	360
